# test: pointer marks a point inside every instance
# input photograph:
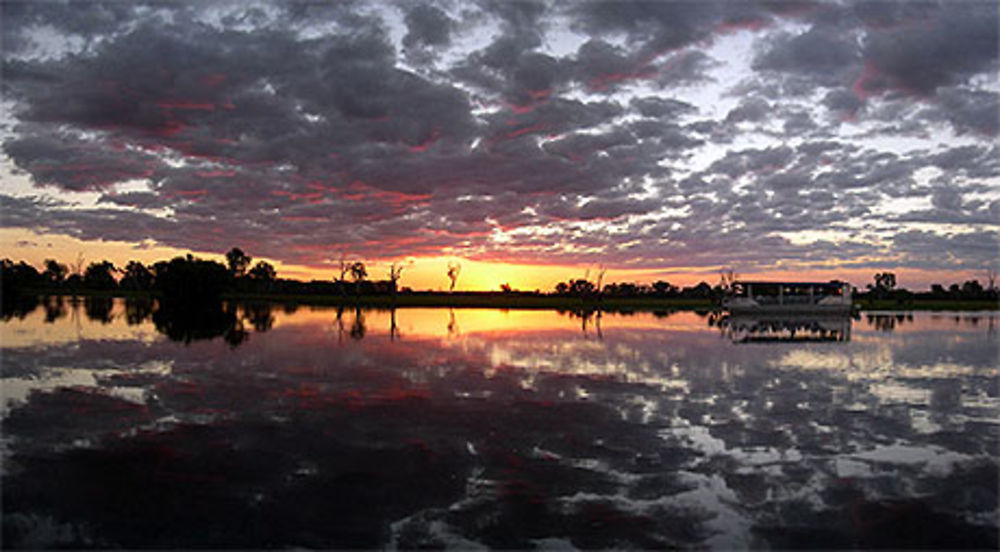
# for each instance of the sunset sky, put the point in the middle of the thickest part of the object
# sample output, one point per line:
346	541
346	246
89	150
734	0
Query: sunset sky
528	141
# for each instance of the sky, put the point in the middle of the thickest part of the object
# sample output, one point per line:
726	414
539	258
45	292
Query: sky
531	142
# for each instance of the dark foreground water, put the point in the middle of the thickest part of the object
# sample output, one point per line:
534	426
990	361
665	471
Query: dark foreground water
267	427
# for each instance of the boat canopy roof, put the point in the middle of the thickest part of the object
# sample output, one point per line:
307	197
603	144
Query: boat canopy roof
831	283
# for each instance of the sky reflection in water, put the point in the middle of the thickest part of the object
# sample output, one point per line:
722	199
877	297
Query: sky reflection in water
276	427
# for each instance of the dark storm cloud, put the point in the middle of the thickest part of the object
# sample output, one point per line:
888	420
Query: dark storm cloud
971	161
75	163
842	102
656	26
751	109
525	14
427	25
969	250
819	52
975	110
24	212
738	163
302	127
946	47
652	106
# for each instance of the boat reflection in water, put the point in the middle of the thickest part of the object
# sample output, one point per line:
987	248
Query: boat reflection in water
745	328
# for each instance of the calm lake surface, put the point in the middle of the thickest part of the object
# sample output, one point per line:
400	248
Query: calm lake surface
265	426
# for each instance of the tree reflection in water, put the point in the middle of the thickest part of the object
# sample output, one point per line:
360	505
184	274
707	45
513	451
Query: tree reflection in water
589	319
516	432
138	310
98	308
887	322
188	322
55	308
18	306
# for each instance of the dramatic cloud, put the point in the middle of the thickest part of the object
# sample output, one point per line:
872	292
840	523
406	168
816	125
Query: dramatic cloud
639	134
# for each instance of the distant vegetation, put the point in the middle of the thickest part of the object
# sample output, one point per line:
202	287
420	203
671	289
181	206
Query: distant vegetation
188	281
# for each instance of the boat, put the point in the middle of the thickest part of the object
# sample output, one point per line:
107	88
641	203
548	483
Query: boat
747	297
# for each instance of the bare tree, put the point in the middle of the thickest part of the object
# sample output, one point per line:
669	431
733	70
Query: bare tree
991	278
727	277
395	271
453	270
345	267
601	271
77	266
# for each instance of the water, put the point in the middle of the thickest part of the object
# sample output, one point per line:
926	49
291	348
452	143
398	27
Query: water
266	426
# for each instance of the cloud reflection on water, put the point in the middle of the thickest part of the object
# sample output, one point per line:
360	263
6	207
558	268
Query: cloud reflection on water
499	428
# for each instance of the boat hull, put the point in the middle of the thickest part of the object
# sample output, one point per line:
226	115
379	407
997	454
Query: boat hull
788	309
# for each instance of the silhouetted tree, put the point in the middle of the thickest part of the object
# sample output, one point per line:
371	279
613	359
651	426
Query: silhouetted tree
73	282
238	261
395	271
358	272
454	268
55	272
345	269
562	288
18	277
186	280
972	289
100	275
136	277
884	283
505	288
628	289
700	291
663	288
582	287
263	273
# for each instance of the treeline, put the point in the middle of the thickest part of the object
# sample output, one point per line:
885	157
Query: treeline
583	287
181	276
191	279
882	288
187	278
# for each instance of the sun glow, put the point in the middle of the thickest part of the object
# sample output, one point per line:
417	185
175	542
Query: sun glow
431	273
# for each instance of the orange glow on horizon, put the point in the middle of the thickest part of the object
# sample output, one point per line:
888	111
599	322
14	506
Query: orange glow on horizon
430	273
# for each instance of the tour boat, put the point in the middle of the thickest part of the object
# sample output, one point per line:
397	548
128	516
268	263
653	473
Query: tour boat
833	297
